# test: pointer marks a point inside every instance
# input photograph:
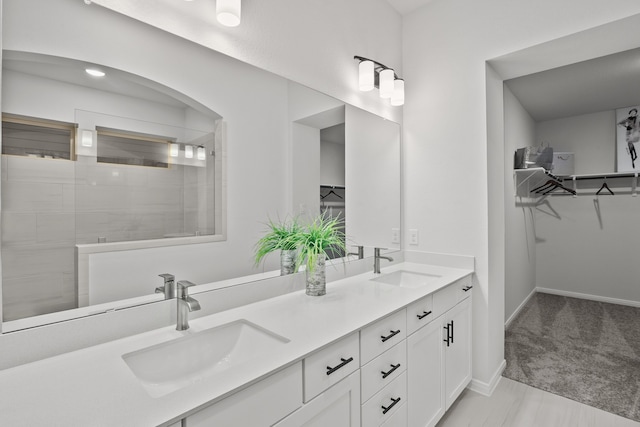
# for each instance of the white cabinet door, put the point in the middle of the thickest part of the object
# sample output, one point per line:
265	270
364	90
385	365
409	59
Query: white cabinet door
338	406
260	405
458	352
425	369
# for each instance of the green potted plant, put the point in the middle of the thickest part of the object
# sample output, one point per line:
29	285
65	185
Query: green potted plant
282	236
321	237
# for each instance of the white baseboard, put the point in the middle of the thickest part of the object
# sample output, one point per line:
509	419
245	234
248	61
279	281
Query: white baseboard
487	389
517	310
589	297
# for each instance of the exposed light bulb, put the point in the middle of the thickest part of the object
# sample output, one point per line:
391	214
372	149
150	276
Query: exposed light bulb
174	149
188	151
386	83
397	98
201	153
366	75
228	12
86	140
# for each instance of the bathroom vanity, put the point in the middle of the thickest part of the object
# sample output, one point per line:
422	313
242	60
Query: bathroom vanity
363	354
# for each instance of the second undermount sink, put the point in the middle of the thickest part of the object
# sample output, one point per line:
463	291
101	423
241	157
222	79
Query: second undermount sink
172	365
407	279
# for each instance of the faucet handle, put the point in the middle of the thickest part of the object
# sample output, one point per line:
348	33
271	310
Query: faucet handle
183	288
184	284
169	288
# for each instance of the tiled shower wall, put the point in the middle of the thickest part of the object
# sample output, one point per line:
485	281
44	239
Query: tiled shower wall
49	205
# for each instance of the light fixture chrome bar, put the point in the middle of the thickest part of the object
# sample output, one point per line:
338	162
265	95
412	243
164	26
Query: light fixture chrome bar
378	66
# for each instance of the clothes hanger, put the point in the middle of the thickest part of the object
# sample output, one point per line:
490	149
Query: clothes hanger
331	192
551	185
539	188
605	187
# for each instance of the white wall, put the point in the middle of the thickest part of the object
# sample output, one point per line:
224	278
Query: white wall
372	152
332	163
520	261
590	248
446	45
305	150
591	137
311	42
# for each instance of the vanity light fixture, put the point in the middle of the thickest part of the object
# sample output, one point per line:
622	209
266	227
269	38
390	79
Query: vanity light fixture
374	74
397	97
174	149
95	73
366	75
201	153
228	12
188	151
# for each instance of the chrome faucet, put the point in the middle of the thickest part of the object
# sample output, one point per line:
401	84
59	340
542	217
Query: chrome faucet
376	260
169	288
185	304
360	252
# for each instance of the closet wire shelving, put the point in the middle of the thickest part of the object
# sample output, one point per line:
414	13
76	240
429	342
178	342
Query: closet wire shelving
530	183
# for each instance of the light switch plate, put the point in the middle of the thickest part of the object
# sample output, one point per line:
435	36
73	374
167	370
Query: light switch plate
395	235
413	236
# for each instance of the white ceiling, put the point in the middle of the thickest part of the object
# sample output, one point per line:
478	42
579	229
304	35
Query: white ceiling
600	84
407	6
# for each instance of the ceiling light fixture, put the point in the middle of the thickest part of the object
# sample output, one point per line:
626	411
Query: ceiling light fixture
374	74
95	73
228	12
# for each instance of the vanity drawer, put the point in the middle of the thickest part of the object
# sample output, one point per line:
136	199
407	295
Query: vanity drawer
382	335
446	298
329	365
383	370
465	287
384	404
419	314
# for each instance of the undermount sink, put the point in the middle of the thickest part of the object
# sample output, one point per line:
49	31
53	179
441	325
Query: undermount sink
172	365
407	279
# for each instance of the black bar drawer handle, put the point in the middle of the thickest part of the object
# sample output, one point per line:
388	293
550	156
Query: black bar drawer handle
467	288
389	372
388	408
449	338
423	315
391	335
331	370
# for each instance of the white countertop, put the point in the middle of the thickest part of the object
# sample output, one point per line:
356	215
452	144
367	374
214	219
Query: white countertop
95	387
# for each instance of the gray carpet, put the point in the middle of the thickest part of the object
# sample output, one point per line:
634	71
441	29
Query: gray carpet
584	350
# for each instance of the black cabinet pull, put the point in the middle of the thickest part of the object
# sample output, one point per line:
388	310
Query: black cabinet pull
423	315
388	408
452	332
391	335
448	335
389	372
467	288
331	370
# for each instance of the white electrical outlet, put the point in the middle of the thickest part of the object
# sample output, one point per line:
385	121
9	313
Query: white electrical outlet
413	236
395	235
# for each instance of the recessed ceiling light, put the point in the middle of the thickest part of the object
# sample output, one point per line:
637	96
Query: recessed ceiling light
95	73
